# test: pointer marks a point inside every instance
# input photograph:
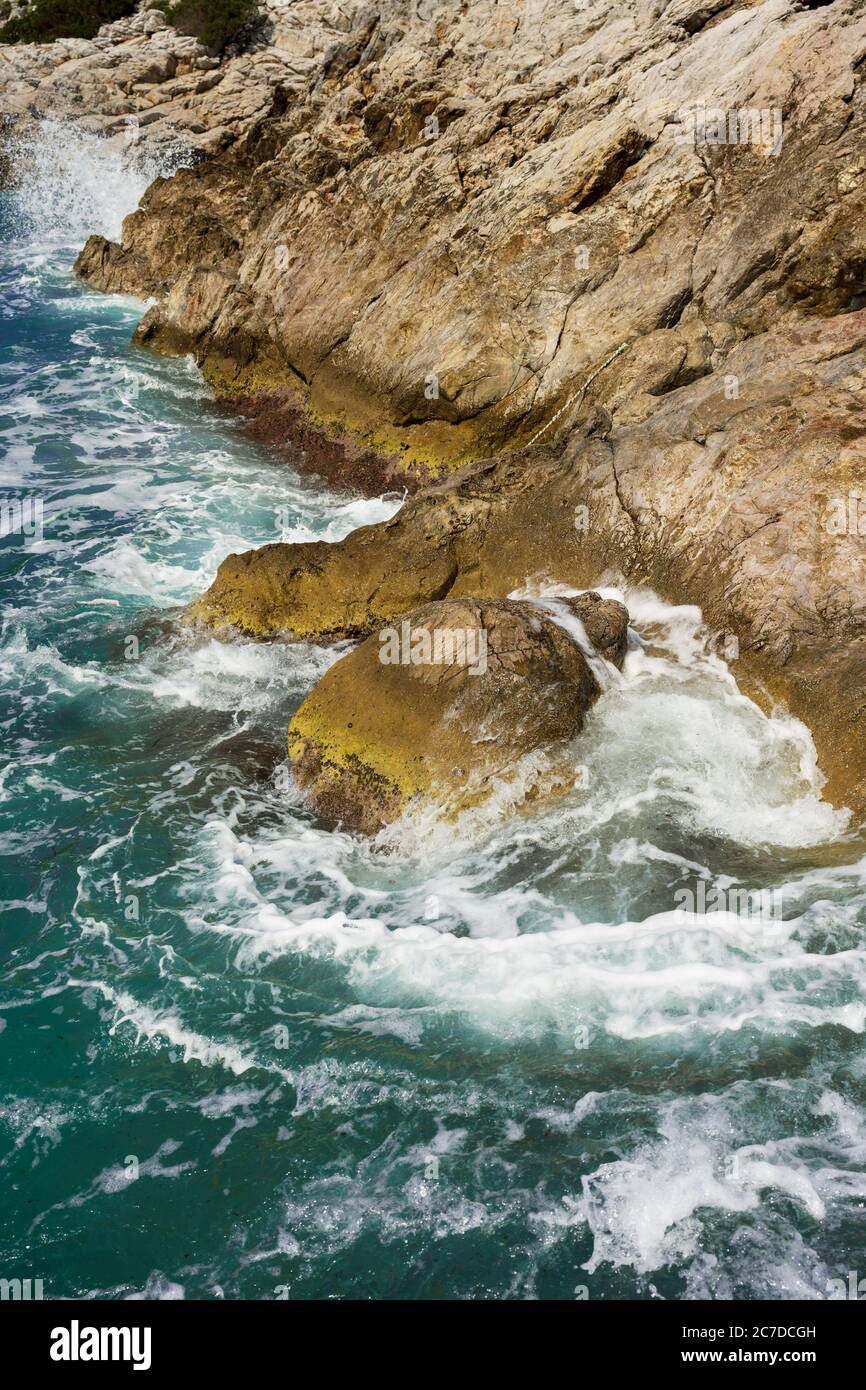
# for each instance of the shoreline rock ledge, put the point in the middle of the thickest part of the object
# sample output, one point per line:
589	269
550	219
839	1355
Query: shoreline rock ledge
444	707
588	281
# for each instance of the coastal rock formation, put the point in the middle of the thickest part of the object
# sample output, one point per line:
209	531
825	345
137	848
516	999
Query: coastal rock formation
589	280
434	246
442	707
747	502
141	82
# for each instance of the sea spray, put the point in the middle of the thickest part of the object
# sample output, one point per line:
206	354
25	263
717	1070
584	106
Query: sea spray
69	184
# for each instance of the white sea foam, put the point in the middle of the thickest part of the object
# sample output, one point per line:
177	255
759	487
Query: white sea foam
650	1209
21	663
676	722
73	184
671	976
432	934
164	1027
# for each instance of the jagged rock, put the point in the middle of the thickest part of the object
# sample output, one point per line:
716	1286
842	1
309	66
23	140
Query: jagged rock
137	59
605	622
442	232
441	708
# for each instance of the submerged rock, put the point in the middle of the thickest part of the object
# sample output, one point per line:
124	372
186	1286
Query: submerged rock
443	706
605	622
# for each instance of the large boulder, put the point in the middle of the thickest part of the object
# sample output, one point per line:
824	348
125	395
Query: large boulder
445	703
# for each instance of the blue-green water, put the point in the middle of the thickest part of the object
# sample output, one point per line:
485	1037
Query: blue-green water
244	1057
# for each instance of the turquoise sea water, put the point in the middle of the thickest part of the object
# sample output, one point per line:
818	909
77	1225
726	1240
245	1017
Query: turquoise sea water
245	1057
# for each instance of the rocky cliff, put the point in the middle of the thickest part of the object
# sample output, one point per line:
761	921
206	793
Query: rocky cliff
464	210
140	81
590	276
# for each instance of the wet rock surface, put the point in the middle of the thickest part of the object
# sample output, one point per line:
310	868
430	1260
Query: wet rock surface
442	708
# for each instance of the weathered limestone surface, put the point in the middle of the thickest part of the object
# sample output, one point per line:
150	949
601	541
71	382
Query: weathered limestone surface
461	212
140	82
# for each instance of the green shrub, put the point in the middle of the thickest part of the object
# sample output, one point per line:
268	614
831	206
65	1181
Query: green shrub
214	22
64	19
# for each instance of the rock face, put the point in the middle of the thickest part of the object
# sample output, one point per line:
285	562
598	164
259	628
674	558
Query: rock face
433	246
443	706
140	82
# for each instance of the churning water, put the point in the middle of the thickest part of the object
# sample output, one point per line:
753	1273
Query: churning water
243	1056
